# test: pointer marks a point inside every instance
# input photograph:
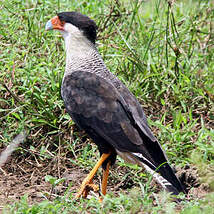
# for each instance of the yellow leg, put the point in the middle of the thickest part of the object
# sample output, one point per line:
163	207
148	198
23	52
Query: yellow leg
105	180
87	183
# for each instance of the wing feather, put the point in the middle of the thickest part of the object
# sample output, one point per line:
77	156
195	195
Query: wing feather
116	116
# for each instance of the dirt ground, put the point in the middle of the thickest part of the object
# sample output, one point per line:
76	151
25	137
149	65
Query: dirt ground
20	176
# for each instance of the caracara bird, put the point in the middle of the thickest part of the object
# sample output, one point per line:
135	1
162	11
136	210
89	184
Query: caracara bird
102	105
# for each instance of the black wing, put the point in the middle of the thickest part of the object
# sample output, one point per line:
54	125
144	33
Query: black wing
101	110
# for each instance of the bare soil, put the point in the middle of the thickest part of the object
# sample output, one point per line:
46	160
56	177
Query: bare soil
21	176
26	176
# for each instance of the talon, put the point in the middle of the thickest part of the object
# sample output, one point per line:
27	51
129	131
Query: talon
87	183
93	187
100	199
85	188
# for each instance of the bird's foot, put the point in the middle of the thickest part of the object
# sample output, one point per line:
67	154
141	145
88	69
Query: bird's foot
85	188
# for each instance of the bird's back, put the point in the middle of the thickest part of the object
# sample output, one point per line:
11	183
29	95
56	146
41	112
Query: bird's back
94	63
145	151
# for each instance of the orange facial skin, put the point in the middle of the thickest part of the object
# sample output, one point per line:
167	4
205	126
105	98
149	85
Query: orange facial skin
57	24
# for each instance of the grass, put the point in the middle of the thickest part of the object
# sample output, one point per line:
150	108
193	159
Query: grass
162	51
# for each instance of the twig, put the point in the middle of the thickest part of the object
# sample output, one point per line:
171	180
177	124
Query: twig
11	147
13	95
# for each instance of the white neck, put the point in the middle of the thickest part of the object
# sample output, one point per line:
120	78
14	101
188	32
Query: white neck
80	52
77	47
76	44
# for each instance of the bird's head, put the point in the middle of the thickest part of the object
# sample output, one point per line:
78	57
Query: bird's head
74	24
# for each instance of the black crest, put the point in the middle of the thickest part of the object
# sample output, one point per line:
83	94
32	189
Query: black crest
83	22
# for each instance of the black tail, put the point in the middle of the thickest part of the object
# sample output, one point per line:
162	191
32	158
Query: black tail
163	175
173	185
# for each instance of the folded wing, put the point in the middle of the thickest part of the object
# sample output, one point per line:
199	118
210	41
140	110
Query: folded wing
114	116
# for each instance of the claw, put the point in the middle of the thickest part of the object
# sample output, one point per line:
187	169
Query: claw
85	188
87	183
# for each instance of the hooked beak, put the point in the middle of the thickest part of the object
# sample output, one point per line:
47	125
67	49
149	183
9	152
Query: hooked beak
49	25
54	24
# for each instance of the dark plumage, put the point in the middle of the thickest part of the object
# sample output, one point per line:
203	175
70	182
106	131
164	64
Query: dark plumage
102	105
97	107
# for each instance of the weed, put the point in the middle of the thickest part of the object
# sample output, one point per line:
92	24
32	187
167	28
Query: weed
162	51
